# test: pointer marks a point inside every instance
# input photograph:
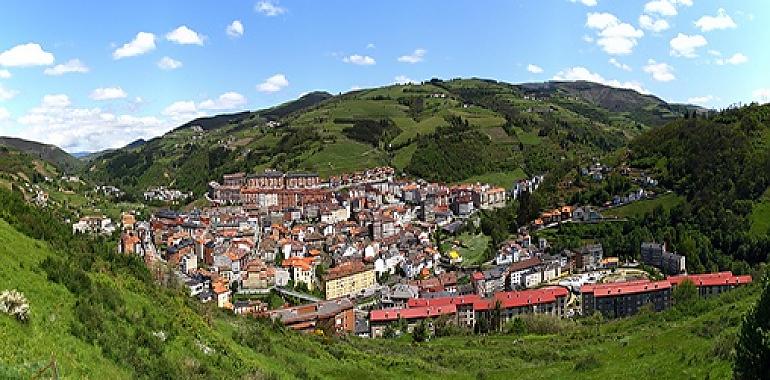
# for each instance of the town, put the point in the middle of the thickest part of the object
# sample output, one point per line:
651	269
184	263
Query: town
371	254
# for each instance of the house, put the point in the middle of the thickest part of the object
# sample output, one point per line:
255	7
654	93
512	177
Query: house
302	270
222	294
334	315
94	225
259	278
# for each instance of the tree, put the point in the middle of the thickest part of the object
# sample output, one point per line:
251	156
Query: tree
685	293
421	332
752	351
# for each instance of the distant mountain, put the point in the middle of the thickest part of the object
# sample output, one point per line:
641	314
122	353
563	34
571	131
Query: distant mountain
460	129
46	152
252	118
81	155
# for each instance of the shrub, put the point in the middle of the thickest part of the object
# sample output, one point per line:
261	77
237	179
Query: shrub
15	304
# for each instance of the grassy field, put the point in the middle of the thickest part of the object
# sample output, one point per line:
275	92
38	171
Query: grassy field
639	208
503	179
27	347
471	248
760	216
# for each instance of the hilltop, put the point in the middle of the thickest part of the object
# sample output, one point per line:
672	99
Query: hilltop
46	152
500	131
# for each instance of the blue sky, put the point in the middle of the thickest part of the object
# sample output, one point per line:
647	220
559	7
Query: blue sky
88	75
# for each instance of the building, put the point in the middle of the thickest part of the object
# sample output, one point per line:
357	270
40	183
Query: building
380	319
348	279
625	299
259	278
589	257
710	284
335	315
467	310
94	225
657	255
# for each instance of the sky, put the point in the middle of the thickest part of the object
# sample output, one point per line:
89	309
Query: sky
88	75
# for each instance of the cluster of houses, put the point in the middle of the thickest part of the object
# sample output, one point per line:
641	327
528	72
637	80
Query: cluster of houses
163	194
365	241
333	238
94	224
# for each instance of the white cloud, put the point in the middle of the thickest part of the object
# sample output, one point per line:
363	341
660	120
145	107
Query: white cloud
5	74
534	69
588	38
357	59
71	66
7	94
701	100
143	42
721	21
735	59
581	73
168	63
4	114
85	129
183	110
660	71
273	84
418	55
403	79
588	3
761	95
235	29
108	93
55	101
226	101
618	64
684	45
653	25
715	53
184	36
26	55
665	7
614	37
661	7
370	46
269	8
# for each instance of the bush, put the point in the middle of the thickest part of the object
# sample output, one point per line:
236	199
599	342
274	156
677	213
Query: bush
14	304
587	363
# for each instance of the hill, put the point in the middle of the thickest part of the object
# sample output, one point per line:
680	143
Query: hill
100	315
441	130
50	153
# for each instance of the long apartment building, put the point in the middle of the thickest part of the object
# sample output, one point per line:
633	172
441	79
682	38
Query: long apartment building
467	310
626	298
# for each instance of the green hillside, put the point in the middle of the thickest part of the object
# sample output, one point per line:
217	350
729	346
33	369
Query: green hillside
97	314
498	129
49	153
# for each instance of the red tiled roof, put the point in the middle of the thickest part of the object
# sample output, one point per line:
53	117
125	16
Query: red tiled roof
411	313
619	289
442	301
711	279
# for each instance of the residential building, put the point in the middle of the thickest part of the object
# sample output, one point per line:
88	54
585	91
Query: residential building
348	280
